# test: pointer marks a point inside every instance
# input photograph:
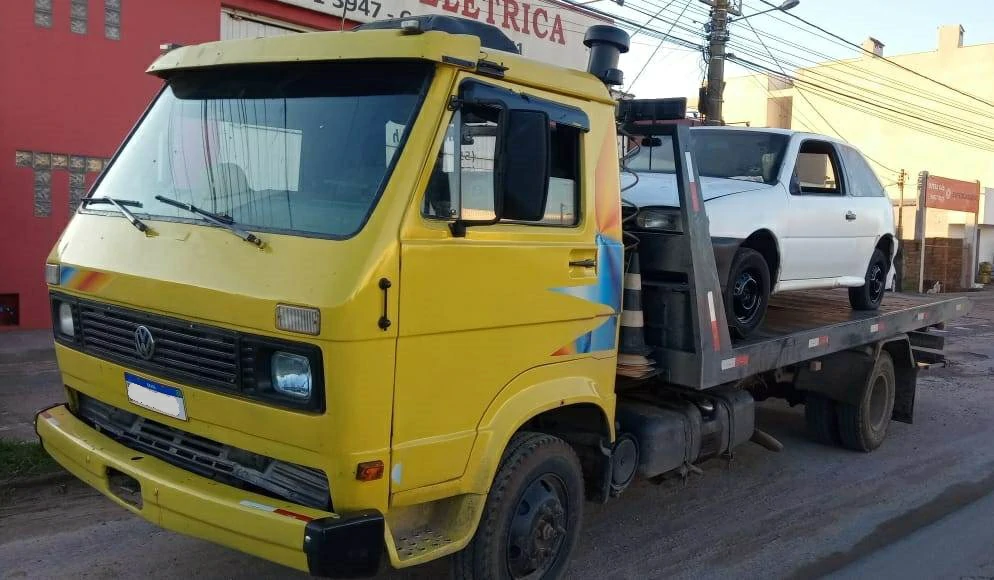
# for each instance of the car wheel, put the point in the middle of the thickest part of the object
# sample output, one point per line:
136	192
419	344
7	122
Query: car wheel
531	519
871	293
747	293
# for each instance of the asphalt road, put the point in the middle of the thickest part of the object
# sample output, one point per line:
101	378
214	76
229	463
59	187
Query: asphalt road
921	506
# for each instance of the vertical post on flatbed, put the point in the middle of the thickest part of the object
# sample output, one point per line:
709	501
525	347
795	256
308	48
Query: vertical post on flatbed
920	227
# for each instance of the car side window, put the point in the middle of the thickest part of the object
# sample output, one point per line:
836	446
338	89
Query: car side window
818	170
865	182
462	184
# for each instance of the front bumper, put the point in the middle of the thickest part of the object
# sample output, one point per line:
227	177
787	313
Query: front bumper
315	541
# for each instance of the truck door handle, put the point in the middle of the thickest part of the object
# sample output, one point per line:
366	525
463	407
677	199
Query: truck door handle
588	263
851	215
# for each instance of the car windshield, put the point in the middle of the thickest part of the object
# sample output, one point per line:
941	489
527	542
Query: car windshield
296	148
727	154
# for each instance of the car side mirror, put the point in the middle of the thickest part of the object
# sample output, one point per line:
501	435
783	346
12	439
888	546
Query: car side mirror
521	179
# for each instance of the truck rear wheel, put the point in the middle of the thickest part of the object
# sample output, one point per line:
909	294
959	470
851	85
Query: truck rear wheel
821	416
863	426
531	520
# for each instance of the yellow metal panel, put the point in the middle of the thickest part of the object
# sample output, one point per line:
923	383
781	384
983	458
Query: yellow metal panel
177	499
319	46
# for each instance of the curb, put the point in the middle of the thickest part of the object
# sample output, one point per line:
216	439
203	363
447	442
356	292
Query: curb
48	479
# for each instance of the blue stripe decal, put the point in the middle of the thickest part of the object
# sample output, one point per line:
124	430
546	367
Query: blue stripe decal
171	391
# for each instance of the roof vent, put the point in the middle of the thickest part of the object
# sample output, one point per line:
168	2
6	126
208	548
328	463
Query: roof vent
606	44
490	36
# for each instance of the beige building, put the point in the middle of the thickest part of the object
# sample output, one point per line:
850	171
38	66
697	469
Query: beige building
961	149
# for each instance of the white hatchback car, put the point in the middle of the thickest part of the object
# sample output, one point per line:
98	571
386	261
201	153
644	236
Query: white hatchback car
787	211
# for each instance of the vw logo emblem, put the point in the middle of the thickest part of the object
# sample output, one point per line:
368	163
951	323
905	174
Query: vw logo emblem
144	343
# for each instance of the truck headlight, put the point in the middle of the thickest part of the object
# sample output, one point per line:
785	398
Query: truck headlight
665	220
66	324
292	375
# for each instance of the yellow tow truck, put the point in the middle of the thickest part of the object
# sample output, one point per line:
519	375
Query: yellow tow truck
350	297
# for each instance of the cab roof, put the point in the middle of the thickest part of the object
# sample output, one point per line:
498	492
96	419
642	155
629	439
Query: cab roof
458	50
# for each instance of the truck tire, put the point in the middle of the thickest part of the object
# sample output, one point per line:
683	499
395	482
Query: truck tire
870	295
820	414
747	292
531	519
863	426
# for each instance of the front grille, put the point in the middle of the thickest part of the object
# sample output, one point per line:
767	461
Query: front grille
196	354
230	465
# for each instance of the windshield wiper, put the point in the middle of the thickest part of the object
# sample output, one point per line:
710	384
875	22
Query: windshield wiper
119	204
223	221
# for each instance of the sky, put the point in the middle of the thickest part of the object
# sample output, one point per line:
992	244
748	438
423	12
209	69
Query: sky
904	26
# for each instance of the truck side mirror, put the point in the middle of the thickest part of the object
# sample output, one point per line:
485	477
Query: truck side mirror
521	182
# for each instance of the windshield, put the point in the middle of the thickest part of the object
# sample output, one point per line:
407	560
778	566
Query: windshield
303	148
728	154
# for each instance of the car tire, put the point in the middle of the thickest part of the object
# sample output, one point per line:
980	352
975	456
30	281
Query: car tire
747	293
870	295
863	426
531	518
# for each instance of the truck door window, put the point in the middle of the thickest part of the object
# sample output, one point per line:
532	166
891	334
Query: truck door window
818	169
462	184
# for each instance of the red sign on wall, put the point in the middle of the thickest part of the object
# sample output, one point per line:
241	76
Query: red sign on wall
952	194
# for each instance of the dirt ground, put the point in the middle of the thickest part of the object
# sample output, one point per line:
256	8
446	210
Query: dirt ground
918	507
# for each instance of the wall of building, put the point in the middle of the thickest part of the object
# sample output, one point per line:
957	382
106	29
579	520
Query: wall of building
890	143
74	84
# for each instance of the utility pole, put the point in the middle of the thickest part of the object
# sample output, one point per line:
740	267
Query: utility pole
717	30
899	258
901	180
717	40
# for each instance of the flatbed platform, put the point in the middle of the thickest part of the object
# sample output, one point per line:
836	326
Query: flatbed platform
793	312
802	326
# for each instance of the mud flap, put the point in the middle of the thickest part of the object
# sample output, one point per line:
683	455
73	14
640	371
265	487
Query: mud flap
906	378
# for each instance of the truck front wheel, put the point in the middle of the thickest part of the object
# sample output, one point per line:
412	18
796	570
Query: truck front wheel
532	515
863	426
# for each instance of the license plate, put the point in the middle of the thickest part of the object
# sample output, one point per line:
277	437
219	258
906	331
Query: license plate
155	397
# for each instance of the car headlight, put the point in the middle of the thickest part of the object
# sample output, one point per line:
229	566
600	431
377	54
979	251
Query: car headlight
66	324
292	375
665	220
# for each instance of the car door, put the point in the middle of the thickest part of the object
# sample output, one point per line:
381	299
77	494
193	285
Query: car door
817	243
870	213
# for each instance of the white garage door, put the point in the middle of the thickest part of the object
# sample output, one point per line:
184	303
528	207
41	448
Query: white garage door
238	24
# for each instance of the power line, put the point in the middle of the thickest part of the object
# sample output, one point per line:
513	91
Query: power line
868	75
810	104
901	66
910	108
660	45
879	111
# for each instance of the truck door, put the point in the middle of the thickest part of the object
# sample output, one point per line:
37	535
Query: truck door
479	310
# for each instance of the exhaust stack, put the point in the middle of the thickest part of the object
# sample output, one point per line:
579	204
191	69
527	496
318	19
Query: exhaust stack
606	44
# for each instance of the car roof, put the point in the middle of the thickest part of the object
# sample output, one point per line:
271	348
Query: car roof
771	130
